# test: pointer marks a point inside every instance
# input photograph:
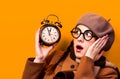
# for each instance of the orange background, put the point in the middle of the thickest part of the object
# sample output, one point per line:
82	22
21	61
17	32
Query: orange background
19	20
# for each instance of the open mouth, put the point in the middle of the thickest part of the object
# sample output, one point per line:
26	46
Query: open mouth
78	48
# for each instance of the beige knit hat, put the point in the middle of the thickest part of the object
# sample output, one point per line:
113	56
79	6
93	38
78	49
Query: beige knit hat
99	26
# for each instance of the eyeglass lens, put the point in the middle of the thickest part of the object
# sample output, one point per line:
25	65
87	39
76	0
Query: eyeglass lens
76	32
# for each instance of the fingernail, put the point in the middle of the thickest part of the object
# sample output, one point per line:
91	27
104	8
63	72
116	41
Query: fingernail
105	37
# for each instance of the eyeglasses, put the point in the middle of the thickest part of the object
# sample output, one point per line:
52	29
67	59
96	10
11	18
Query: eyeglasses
87	35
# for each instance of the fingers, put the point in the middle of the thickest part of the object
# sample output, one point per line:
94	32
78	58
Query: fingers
37	35
96	42
54	44
101	40
96	47
51	47
103	43
37	44
100	43
99	55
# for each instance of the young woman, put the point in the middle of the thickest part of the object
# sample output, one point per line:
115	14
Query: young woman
83	59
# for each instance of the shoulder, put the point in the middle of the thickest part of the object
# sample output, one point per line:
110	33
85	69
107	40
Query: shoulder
109	70
106	68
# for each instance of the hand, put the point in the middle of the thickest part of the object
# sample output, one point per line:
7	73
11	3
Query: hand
94	50
41	52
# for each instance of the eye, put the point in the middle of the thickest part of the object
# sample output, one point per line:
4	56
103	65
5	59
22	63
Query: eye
88	33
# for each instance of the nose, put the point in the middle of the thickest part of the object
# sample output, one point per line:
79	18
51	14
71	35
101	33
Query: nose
80	39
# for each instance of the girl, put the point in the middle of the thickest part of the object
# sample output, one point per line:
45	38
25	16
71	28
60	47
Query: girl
83	59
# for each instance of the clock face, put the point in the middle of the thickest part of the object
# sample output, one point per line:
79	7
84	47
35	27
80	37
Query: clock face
50	34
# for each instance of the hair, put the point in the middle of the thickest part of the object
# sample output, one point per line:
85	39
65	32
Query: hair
51	68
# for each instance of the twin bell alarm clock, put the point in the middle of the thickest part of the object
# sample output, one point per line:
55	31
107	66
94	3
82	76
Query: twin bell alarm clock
49	31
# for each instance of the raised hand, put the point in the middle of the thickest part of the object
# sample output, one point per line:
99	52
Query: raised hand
41	52
94	50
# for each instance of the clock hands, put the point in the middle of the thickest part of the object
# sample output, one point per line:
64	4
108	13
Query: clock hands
49	30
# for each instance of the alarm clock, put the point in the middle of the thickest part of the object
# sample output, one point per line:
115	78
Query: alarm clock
50	32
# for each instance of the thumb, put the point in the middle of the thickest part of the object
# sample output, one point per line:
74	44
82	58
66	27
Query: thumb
51	47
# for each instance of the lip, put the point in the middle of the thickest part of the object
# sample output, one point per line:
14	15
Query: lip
79	48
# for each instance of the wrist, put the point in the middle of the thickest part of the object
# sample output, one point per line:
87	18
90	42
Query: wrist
90	56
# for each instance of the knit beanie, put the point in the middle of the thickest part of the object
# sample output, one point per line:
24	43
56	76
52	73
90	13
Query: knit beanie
99	26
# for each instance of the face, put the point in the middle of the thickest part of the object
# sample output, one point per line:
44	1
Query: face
80	44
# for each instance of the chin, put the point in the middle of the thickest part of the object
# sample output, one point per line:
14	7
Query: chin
78	55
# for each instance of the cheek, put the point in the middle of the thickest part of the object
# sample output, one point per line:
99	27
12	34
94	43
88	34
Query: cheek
88	43
75	41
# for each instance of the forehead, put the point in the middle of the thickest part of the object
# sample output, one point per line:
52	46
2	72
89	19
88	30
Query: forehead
83	28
